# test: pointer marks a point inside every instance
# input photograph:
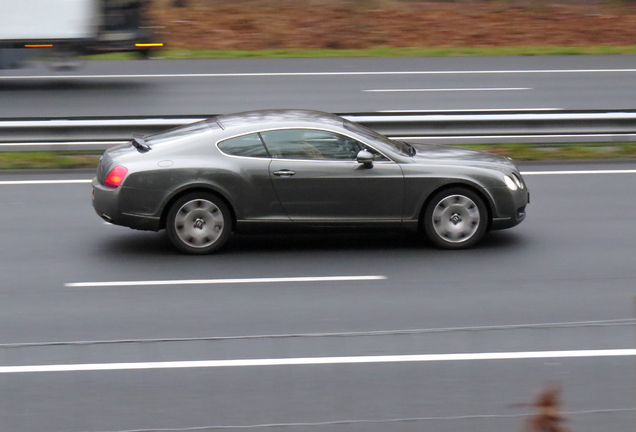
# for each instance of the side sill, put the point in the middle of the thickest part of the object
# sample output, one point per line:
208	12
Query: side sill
266	226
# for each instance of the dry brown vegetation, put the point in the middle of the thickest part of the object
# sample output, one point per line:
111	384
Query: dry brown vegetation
272	24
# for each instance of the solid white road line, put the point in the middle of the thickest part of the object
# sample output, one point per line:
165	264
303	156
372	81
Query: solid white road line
68	143
42	182
471	110
448	89
535	173
225	281
581	172
626	135
341	73
371	119
319	361
98	122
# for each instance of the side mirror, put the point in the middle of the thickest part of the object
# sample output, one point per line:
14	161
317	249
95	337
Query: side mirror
365	157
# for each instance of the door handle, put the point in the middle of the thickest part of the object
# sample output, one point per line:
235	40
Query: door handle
284	173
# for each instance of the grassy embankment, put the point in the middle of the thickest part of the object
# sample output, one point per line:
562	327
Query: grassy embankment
390	28
191	54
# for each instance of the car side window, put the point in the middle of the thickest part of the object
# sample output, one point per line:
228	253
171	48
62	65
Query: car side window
311	144
246	146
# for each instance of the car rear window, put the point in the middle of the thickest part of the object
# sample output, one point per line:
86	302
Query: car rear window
246	146
175	134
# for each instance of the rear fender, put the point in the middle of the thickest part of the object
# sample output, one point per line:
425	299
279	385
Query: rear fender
193	187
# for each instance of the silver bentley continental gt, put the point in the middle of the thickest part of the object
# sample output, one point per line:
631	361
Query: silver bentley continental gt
295	168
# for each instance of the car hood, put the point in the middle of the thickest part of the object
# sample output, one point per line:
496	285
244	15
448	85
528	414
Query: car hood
461	156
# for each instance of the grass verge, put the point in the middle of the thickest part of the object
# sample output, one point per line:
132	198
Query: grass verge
519	152
183	54
48	160
561	152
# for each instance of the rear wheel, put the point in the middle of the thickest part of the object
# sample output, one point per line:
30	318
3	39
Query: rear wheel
199	223
455	218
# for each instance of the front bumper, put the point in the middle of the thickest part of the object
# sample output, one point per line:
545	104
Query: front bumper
510	207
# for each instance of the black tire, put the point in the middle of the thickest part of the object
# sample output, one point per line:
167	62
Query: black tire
455	218
144	54
64	59
199	223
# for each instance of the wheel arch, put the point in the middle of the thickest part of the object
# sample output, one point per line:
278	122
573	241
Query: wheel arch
488	202
192	189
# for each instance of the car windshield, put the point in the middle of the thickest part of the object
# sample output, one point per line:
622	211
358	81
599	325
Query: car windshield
395	146
181	132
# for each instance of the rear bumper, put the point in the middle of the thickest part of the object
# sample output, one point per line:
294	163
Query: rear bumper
105	203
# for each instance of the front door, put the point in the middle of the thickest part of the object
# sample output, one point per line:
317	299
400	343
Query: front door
318	180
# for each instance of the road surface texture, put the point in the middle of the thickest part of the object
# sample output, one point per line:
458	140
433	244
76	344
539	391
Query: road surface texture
156	340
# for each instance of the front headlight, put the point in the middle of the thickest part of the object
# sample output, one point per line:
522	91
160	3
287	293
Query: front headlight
510	183
517	180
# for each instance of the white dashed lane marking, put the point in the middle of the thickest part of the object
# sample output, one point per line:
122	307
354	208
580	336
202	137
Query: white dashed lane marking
225	281
447	89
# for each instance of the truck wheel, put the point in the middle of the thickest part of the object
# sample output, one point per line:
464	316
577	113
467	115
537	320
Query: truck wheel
64	59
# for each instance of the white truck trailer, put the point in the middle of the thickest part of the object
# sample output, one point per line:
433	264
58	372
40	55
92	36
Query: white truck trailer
61	30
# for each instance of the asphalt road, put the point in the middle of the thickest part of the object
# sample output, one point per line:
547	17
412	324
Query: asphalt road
195	87
570	261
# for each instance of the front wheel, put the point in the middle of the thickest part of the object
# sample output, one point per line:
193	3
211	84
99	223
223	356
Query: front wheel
455	218
199	223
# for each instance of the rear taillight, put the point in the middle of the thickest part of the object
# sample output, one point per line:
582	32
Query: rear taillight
115	177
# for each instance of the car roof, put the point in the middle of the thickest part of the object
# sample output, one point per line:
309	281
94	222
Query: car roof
275	118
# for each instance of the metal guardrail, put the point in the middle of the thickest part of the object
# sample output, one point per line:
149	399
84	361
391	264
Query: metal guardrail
84	129
563	126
